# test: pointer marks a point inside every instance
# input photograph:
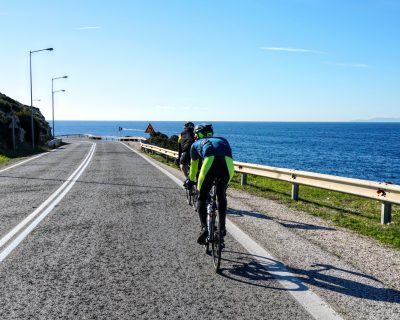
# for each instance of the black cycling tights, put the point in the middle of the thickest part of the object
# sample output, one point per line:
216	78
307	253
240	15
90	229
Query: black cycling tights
218	171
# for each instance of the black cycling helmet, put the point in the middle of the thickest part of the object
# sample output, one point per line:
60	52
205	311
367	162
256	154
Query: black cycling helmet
189	125
204	130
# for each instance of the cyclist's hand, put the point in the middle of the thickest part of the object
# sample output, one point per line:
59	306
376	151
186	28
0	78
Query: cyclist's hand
189	183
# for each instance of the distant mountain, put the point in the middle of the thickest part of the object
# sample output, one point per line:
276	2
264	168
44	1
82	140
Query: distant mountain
380	119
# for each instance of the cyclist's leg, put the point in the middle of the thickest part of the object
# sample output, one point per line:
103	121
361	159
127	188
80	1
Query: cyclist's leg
224	167
204	185
185	161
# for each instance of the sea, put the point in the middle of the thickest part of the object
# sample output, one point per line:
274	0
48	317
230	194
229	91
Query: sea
363	150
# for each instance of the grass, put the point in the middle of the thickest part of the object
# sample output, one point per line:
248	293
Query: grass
6	155
351	212
348	211
4	159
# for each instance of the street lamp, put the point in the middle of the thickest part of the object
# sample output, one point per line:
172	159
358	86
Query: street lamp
52	95
52	99
30	72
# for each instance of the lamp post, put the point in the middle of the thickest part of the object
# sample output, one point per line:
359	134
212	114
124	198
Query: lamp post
52	98
30	73
52	95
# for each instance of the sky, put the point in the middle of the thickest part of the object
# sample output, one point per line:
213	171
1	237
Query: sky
214	60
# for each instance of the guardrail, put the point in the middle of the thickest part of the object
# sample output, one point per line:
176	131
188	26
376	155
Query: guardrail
167	152
93	137
72	135
386	193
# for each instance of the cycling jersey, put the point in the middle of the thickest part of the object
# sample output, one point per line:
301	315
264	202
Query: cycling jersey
185	141
216	154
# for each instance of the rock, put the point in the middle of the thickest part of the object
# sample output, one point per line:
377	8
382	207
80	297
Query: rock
23	131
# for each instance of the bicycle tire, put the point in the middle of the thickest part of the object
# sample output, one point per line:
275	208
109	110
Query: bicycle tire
188	197
195	196
216	244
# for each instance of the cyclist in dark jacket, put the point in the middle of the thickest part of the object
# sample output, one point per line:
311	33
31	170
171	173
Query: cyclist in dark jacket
185	141
216	154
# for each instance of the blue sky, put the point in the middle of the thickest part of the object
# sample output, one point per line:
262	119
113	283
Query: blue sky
216	60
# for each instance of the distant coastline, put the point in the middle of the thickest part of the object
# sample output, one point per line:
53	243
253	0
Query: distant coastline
380	119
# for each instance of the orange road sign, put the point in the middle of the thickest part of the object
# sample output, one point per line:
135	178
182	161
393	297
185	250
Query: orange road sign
149	129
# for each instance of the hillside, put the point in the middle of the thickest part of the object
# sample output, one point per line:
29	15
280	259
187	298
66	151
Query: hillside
23	134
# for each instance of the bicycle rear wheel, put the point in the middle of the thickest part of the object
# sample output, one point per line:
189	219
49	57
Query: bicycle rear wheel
195	195
188	196
216	246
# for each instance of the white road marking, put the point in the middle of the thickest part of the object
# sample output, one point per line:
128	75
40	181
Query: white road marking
318	308
314	305
50	203
170	175
25	161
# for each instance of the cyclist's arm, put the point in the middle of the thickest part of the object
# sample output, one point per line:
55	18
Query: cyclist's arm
194	163
194	167
179	146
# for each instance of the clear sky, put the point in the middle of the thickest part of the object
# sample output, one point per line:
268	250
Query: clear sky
237	60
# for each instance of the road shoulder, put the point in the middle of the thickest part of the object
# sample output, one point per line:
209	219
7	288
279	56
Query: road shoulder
360	252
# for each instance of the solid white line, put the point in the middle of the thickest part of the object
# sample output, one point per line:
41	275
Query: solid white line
317	307
22	224
170	175
65	187
25	161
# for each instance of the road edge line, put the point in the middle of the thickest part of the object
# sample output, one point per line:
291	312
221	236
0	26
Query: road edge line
24	161
309	300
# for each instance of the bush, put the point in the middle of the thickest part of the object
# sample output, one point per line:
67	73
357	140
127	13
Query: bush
161	140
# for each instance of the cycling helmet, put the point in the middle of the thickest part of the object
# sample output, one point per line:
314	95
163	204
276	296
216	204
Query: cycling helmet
189	125
204	130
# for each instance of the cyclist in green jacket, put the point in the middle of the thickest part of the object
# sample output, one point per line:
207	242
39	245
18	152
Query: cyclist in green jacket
217	164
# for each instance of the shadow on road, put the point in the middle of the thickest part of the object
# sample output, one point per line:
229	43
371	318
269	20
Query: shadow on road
285	223
259	271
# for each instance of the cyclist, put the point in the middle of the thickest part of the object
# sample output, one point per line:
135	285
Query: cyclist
217	163
185	141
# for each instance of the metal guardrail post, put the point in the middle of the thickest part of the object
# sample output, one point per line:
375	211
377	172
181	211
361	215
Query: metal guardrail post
243	179
386	213
295	191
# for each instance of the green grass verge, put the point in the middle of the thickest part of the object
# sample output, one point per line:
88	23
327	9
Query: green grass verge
351	212
6	156
4	159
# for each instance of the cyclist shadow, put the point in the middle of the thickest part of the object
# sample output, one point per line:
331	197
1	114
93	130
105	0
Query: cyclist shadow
263	272
283	222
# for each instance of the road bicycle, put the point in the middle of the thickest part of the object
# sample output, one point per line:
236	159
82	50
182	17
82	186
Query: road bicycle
215	237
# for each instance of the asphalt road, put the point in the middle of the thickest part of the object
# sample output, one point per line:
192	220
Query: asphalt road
121	244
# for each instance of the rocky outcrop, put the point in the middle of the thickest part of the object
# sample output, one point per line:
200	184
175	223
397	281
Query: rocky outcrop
10	108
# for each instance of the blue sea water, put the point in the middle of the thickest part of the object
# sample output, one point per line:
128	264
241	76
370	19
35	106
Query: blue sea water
361	150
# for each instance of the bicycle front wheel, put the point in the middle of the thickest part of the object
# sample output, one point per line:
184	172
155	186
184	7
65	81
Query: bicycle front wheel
216	247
